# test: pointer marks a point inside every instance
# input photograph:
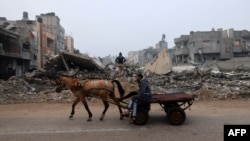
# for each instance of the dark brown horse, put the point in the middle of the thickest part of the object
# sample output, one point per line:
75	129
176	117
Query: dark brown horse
82	89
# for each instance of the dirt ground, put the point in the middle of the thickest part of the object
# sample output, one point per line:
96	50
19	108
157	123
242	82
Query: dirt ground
199	106
49	121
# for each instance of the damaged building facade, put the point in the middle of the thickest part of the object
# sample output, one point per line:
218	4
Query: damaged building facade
13	57
54	31
26	44
69	43
199	47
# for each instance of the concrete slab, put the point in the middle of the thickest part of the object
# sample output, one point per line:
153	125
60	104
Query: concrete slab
161	64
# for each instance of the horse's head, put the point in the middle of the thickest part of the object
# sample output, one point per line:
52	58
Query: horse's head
55	79
65	81
59	85
58	81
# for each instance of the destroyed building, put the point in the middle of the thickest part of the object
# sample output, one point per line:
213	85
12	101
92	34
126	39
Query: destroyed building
69	44
66	61
30	41
54	29
13	57
202	46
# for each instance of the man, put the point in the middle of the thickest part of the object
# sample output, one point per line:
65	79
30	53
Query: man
120	60
144	94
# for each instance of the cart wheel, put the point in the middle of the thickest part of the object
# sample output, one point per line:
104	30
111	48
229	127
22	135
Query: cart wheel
141	116
168	106
176	116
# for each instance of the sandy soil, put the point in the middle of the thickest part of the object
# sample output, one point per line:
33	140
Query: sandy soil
49	121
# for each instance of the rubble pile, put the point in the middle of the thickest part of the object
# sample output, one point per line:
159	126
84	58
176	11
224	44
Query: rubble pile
223	86
34	87
29	90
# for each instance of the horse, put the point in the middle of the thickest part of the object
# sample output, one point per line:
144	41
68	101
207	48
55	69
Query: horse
83	89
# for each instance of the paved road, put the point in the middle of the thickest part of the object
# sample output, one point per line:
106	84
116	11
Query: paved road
49	122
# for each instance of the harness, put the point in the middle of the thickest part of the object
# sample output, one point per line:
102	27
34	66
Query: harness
95	84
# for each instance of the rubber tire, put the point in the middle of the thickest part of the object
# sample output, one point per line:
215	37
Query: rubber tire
176	116
169	106
141	116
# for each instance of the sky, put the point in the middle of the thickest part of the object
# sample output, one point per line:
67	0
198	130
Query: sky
107	27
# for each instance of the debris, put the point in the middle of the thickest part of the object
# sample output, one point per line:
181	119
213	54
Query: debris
216	84
161	63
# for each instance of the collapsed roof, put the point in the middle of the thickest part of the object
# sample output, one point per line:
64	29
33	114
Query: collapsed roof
67	61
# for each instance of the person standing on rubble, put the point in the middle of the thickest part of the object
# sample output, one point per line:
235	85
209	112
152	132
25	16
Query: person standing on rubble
120	60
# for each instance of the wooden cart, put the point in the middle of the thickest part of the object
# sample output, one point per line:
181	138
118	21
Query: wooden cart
173	101
174	106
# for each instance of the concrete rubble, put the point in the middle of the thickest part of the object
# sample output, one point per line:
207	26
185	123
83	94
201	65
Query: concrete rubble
161	64
217	84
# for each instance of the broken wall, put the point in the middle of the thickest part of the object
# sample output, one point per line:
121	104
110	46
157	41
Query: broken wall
242	63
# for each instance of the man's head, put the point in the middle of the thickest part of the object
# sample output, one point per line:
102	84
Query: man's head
139	76
120	54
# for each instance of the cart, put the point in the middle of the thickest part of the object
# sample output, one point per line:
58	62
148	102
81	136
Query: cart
174	106
173	101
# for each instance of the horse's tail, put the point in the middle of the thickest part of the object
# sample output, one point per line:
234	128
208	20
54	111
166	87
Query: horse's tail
129	95
120	88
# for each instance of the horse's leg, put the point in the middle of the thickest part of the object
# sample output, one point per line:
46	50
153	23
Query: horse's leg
81	96
87	109
112	95
106	106
73	108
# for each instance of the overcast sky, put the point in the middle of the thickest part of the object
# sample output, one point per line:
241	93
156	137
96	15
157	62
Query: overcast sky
107	27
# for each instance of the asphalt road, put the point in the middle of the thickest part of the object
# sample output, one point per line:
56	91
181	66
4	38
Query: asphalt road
50	122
